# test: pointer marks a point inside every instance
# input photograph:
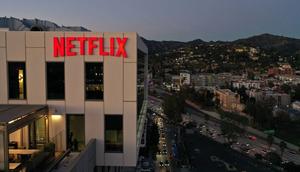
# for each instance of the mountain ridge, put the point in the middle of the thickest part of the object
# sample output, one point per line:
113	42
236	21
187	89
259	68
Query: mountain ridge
256	53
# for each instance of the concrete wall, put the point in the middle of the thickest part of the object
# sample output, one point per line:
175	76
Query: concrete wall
35	48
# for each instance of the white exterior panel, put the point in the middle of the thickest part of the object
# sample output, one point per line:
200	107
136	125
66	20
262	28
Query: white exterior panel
94	117
130	109
113	85
15	44
3	77
74	85
35	72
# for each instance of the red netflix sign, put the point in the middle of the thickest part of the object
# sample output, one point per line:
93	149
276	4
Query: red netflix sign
64	46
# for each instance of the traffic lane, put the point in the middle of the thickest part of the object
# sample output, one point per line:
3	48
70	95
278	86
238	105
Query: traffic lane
258	144
168	141
262	146
160	157
207	148
165	145
170	138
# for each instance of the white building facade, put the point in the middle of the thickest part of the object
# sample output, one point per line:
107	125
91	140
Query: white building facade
95	92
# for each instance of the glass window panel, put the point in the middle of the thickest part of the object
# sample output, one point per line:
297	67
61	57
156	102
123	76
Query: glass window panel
55	80
17	80
94	81
75	132
113	133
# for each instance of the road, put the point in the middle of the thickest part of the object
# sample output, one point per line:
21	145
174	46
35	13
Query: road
258	146
163	161
202	148
208	155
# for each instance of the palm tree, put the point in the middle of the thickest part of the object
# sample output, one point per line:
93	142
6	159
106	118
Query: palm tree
206	118
282	146
270	140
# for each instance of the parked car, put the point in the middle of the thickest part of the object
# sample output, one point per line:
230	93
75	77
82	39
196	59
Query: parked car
161	163
167	164
164	152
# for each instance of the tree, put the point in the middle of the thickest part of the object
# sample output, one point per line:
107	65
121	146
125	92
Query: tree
270	84
270	140
262	113
230	131
206	118
291	167
242	92
258	156
152	139
274	158
297	92
282	118
286	88
282	146
173	106
250	75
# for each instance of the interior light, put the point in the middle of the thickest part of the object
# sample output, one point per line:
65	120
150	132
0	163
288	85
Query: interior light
56	117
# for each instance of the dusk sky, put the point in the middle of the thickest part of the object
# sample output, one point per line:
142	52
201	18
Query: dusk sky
180	20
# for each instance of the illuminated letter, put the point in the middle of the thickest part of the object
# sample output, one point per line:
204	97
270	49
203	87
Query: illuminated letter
82	45
92	46
69	46
58	46
112	46
121	50
101	48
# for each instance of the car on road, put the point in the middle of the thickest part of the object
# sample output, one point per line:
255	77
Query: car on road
167	164
292	152
146	167
164	152
161	163
214	158
253	138
197	150
230	167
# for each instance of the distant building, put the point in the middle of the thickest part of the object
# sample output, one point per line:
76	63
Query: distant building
281	99
180	80
210	80
175	85
284	69
223	79
185	79
292	113
247	84
228	100
289	79
296	105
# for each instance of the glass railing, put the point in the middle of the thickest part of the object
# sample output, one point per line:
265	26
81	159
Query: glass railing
58	140
140	122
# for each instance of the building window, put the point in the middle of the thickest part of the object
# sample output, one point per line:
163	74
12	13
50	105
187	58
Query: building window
114	133
94	81
17	80
75	132
55	80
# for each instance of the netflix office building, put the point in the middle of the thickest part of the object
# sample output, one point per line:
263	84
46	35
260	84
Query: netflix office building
77	93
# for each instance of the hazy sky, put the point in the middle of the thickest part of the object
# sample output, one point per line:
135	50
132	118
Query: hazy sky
168	19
